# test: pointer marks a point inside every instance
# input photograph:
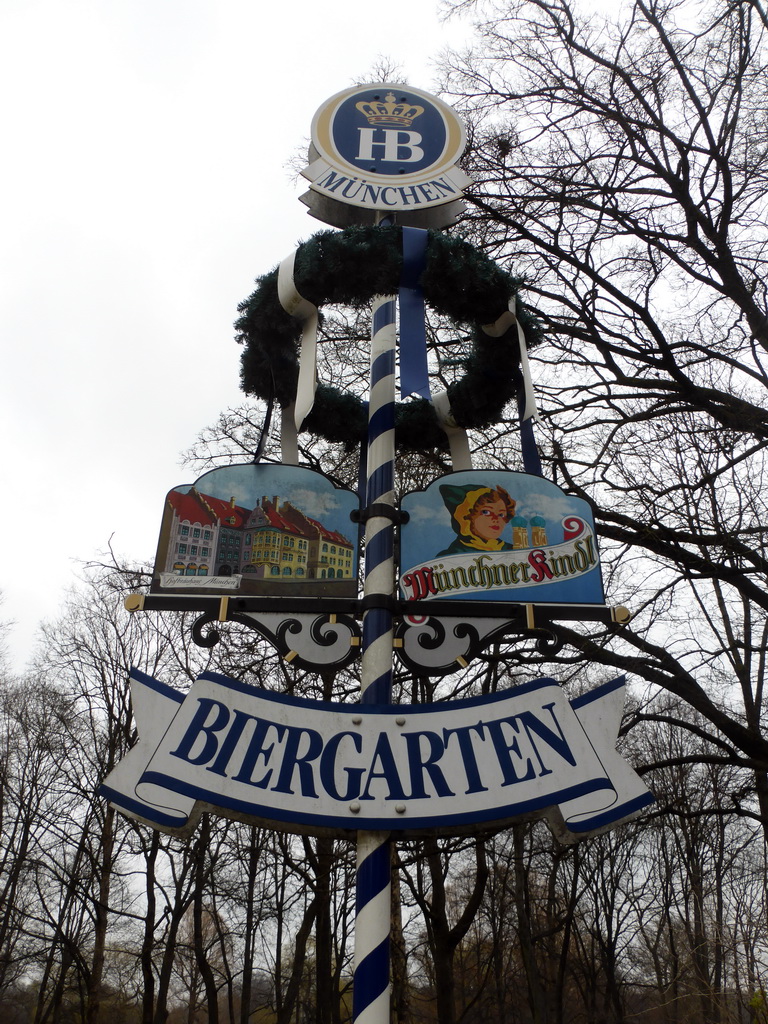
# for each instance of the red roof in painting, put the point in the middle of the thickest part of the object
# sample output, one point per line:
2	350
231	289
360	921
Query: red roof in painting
204	508
279	521
334	538
291	518
226	510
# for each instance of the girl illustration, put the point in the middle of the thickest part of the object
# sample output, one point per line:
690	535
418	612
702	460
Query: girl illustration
478	516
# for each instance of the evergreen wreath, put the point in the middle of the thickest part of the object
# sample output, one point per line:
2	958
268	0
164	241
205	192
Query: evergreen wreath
351	267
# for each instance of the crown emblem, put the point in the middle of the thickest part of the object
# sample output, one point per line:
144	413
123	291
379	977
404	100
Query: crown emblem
389	111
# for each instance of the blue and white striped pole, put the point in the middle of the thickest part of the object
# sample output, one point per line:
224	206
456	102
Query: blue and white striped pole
370	1004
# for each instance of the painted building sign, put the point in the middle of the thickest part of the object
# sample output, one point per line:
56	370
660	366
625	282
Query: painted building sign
490	535
255	529
321	767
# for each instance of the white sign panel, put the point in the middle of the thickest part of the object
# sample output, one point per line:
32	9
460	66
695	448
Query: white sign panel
317	767
387	147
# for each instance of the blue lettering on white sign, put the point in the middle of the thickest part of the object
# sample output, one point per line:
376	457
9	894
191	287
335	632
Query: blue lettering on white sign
411	768
300	757
380	135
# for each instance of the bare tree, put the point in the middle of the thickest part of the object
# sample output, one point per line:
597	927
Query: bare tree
621	165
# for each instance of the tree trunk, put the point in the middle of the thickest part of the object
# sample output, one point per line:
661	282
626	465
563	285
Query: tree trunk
101	914
147	942
245	995
201	957
324	996
400	1001
536	997
293	988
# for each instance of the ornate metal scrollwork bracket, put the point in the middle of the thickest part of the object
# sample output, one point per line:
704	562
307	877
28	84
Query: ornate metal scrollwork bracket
316	642
316	635
434	643
431	638
438	645
209	639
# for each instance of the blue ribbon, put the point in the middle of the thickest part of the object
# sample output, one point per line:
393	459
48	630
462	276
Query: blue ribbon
531	460
414	376
530	451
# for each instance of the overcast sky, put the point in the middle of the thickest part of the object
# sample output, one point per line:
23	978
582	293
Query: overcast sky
144	186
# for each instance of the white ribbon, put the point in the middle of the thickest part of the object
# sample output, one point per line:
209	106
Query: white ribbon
457	436
297	306
495	330
289	438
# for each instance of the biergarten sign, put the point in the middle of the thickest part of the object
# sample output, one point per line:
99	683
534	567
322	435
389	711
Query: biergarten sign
464	561
323	767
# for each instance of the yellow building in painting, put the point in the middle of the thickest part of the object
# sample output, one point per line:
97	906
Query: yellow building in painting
281	542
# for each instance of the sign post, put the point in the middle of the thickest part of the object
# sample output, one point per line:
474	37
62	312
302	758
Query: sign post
374	872
483	554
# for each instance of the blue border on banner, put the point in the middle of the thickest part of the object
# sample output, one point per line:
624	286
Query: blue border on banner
343	821
613	814
599	691
545	682
355	823
154	684
137	808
